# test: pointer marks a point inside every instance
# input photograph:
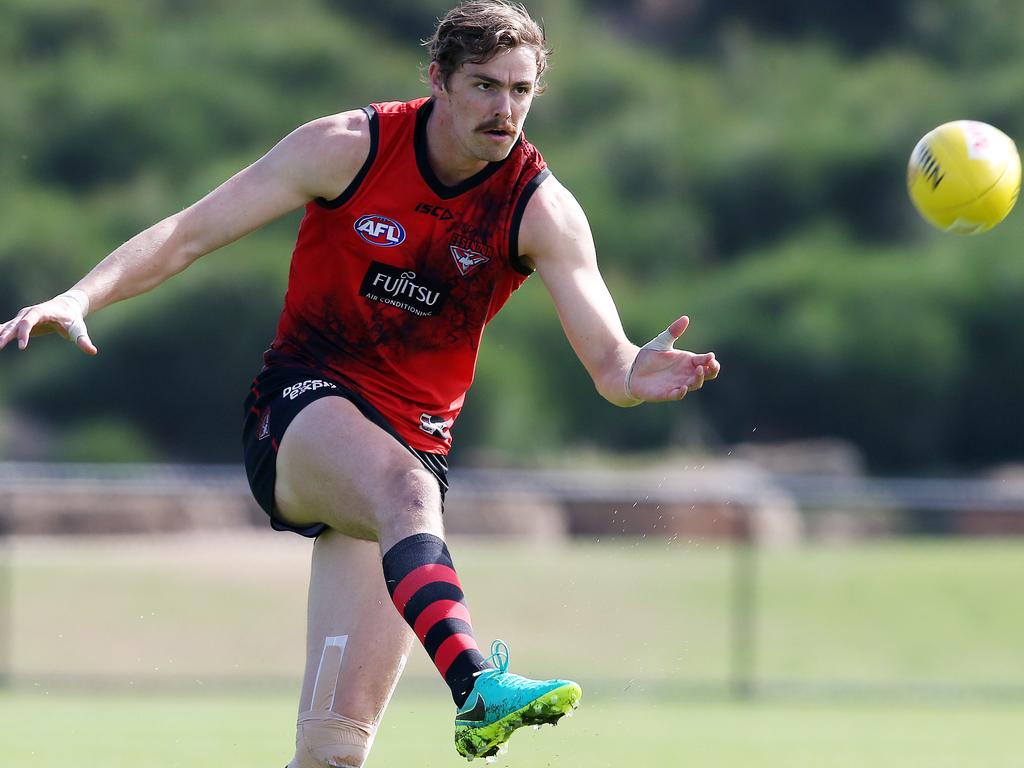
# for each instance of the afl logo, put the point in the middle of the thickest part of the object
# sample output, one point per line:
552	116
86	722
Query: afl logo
380	230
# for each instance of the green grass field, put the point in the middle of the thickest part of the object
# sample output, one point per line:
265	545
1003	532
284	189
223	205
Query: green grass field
185	652
218	730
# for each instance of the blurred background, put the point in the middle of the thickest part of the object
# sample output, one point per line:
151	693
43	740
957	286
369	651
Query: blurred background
837	519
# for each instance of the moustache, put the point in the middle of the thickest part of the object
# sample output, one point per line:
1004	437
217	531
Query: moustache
497	125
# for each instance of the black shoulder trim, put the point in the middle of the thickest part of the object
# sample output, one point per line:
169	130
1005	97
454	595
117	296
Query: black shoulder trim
517	218
350	190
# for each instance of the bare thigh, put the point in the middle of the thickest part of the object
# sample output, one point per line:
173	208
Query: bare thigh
348	599
336	467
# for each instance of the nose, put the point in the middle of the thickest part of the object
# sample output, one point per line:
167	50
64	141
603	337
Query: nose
503	105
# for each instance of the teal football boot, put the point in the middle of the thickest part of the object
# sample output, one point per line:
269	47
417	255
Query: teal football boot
501	702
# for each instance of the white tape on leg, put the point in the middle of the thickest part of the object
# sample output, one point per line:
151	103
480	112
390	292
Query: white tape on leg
328	672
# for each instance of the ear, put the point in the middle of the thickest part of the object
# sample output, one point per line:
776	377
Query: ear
436	79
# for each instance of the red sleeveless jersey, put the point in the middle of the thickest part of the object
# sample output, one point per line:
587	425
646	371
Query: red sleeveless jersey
392	283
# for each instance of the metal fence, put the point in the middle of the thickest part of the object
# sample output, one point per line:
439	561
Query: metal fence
751	511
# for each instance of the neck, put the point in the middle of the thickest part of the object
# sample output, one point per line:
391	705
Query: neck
447	157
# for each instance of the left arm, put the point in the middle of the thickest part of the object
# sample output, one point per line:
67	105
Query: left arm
555	238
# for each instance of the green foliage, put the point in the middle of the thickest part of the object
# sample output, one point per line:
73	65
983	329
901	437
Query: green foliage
104	440
177	365
745	166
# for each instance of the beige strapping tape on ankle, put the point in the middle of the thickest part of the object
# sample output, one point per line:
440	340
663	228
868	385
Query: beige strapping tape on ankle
330	740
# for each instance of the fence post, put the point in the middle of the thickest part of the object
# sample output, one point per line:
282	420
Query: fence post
744	606
6	607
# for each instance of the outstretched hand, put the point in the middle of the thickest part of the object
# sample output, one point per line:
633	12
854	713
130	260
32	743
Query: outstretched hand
62	314
662	373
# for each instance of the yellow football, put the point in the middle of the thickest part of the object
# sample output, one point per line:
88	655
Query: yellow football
964	176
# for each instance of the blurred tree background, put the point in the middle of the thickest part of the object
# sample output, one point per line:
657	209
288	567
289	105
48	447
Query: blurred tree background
740	161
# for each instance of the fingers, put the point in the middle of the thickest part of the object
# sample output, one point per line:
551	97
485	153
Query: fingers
13	329
85	344
677	328
710	365
665	340
698	373
77	332
698	378
7	331
41	319
708	362
25	325
712	368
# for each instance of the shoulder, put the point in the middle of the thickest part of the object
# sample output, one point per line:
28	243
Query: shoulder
343	127
325	154
553	222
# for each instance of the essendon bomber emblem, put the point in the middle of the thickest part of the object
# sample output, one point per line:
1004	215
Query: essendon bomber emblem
467	261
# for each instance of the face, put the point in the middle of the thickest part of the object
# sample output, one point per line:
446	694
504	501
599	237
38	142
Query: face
487	103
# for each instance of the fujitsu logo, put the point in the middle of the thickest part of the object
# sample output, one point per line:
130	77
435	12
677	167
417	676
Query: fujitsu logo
405	286
401	288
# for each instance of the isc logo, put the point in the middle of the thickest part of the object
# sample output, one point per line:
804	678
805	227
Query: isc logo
380	230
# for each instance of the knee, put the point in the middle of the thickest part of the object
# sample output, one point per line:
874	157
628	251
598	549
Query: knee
411	495
330	740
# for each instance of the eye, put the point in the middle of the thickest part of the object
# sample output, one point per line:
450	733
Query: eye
484	86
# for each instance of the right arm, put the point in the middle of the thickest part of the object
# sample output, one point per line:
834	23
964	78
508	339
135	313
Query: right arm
318	159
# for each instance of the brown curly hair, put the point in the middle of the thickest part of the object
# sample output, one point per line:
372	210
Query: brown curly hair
477	30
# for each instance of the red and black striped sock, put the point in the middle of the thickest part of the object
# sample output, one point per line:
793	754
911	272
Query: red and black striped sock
425	589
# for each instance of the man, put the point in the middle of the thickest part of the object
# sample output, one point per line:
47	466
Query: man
421	219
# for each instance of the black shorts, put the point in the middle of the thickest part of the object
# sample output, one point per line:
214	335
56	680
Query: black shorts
277	395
